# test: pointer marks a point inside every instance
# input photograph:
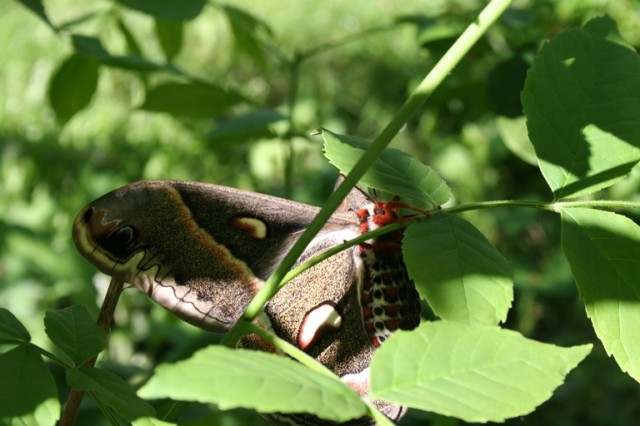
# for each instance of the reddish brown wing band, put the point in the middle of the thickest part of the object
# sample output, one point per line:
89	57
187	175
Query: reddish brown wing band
203	251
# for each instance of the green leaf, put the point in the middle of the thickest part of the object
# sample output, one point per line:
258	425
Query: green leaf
513	132
253	125
457	270
169	35
75	332
394	172
190	99
89	46
472	372
261	381
582	101
72	86
133	47
28	394
92	47
173	10
37	7
247	31
11	329
150	421
111	390
603	249
439	35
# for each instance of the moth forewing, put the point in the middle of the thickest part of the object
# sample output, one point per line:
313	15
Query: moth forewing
200	250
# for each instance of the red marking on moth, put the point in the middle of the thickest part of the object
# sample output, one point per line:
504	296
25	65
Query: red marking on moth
392	324
391	293
377	341
392	310
388	296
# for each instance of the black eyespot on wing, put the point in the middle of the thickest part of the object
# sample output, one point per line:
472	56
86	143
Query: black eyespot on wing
88	214
119	243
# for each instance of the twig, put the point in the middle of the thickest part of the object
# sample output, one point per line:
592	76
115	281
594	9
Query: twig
107	309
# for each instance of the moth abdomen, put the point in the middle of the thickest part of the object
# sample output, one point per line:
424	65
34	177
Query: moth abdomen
388	296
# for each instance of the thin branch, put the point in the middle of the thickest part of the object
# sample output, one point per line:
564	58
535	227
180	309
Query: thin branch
105	317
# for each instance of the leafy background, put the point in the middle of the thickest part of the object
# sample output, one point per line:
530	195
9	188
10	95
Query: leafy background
53	162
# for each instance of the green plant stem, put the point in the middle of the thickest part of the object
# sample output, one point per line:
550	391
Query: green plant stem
541	205
553	206
289	161
453	56
70	412
482	205
325	47
598	204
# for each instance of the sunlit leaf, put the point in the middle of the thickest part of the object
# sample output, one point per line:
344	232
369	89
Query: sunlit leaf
394	172
475	373
457	270
261	381
582	101
603	249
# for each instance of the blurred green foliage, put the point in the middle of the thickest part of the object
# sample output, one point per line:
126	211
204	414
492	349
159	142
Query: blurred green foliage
78	122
